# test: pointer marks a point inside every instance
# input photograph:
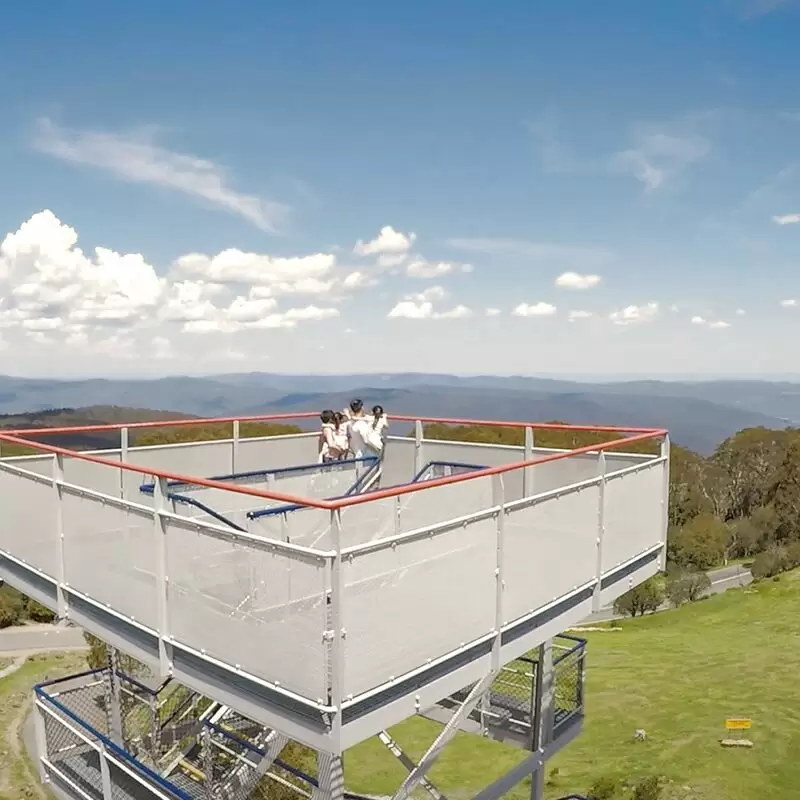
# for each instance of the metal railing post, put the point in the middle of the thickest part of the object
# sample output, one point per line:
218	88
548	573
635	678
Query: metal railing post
527	472
58	478
665	450
235	447
498	499
337	630
160	493
418	456
601	530
105	774
123	457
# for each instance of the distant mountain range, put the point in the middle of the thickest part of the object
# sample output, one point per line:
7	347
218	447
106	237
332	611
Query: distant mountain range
698	414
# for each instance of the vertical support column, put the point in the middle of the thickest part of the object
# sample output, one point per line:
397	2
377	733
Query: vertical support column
338	633
397	526
543	713
58	478
162	578
41	740
601	530
330	777
418	455
235	447
105	774
527	472
207	755
665	500
113	698
155	729
123	456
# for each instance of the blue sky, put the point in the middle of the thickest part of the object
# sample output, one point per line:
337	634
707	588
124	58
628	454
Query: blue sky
230	161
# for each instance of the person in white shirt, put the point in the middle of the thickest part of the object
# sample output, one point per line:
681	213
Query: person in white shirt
367	433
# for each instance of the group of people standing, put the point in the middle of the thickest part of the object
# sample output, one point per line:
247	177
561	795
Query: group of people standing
352	433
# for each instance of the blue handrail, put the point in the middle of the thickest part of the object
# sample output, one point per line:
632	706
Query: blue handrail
418	478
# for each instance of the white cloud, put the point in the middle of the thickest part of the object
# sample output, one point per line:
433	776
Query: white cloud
572	316
493	312
740	312
536	310
422	268
631	315
657	156
572	280
713	324
786	219
137	158
789	303
421	306
49	286
392	247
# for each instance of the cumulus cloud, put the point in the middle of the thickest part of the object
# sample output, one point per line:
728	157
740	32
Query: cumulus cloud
789	303
422	268
138	158
631	315
713	324
54	291
786	219
740	312
392	247
572	280
573	316
422	306
535	310
493	312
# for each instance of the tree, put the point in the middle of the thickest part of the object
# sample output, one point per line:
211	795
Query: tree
11	607
687	476
647	596
786	497
744	538
686	585
769	563
35	611
700	543
97	658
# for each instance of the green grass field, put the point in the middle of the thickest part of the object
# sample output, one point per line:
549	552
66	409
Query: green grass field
678	675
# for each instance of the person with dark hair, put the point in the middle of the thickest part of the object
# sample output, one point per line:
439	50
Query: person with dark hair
376	432
329	447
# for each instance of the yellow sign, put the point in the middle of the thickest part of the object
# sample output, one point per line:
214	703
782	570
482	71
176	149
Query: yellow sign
738	724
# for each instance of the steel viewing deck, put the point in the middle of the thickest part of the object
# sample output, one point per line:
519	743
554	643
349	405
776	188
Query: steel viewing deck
308	599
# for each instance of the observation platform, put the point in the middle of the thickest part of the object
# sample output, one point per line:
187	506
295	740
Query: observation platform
330	602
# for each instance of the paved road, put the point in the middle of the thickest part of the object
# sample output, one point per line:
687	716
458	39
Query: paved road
39	638
722	579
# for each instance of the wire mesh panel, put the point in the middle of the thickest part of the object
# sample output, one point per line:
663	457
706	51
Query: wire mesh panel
568	671
260	607
417	600
399	456
109	554
90	475
41	465
28	519
633	516
272	452
190	458
441	503
367	522
549	548
492	455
